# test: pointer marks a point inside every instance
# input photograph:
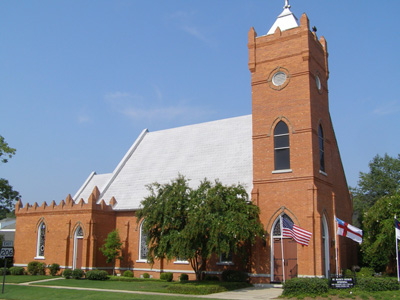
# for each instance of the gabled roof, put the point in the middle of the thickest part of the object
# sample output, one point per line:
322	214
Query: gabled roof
213	150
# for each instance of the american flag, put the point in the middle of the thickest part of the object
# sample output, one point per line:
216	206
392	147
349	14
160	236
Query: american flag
300	235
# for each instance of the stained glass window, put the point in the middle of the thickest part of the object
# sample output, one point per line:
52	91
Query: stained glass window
143	250
281	146
41	239
277	228
79	231
224	258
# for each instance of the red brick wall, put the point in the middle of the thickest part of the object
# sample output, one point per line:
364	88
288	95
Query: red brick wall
305	193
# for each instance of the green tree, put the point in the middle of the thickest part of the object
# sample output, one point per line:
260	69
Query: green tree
7	195
111	248
378	247
196	223
383	179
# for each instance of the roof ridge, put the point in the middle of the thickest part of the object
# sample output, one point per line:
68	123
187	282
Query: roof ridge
122	163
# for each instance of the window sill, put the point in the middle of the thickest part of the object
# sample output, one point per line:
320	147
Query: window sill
39	257
323	173
225	263
142	261
178	262
282	171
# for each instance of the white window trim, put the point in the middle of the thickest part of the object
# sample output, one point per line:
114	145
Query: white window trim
323	173
140	246
282	171
181	262
76	237
38	241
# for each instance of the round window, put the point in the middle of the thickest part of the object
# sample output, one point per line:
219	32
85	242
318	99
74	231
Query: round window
279	78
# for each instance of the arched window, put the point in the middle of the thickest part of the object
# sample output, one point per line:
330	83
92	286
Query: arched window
325	246
143	249
281	146
276	231
41	239
321	149
78	248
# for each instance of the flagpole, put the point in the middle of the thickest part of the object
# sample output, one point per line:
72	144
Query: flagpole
336	248
397	251
283	259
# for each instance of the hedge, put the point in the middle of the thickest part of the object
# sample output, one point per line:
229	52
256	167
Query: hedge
305	286
378	284
96	275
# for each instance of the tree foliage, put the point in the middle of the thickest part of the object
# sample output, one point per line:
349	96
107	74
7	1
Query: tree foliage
8	196
383	179
194	224
376	202
111	248
378	247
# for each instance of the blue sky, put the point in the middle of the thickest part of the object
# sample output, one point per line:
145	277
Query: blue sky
79	80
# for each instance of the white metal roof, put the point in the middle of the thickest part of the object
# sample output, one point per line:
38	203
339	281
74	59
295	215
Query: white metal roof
286	20
214	150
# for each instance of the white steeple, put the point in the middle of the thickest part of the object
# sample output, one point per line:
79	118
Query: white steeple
286	20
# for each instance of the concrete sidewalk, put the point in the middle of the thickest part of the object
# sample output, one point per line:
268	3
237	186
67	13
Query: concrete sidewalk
248	294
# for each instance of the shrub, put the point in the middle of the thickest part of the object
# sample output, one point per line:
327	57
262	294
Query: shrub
348	273
2	271
365	272
211	278
36	268
184	277
146	275
96	275
378	284
234	276
167	276
77	274
54	268
17	271
67	273
305	286
128	273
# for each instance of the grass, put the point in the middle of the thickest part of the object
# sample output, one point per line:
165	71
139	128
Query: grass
151	285
36	292
24	278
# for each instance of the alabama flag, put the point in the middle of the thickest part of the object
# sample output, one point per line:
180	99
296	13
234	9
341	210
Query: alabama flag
347	230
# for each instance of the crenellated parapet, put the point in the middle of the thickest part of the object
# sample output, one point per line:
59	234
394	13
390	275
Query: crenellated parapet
68	205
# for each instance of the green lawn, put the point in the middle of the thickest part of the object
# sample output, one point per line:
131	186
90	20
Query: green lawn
18	292
24	278
151	285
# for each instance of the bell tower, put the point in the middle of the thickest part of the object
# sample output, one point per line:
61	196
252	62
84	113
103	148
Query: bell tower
297	169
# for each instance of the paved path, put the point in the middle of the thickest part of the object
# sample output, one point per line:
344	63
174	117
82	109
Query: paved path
252	293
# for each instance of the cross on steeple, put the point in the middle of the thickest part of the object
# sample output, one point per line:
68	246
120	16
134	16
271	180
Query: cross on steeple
286	4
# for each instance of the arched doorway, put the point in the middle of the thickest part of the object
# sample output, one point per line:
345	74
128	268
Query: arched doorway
78	246
283	253
325	247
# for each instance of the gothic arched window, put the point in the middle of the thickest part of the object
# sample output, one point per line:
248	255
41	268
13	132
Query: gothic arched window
281	146
143	249
41	239
276	231
321	149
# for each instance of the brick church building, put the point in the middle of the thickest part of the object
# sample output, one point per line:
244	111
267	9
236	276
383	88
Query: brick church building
285	153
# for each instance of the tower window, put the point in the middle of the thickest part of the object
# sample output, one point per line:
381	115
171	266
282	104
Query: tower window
321	149
281	146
